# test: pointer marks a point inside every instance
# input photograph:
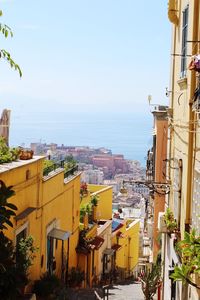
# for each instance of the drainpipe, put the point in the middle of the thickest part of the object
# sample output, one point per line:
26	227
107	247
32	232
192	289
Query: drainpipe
191	121
180	165
67	263
62	263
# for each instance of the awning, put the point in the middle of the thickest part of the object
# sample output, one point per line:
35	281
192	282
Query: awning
96	243
25	213
116	224
116	247
59	234
108	252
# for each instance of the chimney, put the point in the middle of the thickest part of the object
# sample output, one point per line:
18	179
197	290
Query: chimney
5	124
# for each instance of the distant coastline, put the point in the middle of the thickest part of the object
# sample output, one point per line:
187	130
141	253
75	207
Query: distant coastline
127	134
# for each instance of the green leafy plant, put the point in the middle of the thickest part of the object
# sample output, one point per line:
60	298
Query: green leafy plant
82	212
7	154
70	163
76	276
47	286
25	255
8	284
7	209
9	288
151	280
94	200
170	221
48	163
189	252
86	208
10	275
6	32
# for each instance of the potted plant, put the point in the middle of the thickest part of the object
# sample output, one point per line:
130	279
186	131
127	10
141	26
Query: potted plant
82	213
83	189
188	250
151	280
94	202
7	154
47	286
25	154
76	277
170	221
85	209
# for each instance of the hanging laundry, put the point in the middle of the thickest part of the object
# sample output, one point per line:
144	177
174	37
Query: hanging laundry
195	63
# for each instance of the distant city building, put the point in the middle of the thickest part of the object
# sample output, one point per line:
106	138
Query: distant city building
115	185
92	176
97	164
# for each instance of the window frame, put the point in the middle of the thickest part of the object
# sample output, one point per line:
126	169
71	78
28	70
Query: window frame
185	17
23	227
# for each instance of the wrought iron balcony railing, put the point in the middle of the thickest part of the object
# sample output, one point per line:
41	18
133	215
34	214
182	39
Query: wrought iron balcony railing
60	165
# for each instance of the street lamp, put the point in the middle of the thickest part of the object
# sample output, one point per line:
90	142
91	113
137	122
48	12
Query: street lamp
161	188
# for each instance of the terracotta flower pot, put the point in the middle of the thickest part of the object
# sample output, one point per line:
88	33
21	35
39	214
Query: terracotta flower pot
26	154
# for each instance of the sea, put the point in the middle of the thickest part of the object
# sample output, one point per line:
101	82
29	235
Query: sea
127	133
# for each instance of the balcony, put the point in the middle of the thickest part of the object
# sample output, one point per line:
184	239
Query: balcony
60	166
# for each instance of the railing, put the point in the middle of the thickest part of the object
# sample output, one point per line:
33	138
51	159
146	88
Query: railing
53	167
97	296
58	165
70	171
105	293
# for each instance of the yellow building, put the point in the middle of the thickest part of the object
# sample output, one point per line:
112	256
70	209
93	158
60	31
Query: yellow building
107	245
184	140
95	236
48	210
104	193
125	241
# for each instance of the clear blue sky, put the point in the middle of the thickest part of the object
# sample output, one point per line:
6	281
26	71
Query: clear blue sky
85	54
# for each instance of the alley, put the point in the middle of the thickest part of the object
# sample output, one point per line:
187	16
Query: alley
126	291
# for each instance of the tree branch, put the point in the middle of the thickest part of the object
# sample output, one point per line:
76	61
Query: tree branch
192	283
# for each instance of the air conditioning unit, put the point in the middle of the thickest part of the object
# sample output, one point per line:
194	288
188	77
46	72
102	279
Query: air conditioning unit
162	227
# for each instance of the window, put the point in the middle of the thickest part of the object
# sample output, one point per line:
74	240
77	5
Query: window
21	233
184	42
